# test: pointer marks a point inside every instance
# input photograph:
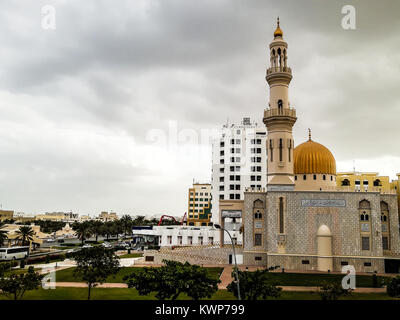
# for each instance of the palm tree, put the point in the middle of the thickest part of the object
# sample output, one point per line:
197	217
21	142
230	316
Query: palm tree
25	233
83	230
107	229
96	228
139	220
127	222
3	237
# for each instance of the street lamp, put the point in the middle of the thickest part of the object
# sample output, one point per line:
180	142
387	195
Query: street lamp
234	255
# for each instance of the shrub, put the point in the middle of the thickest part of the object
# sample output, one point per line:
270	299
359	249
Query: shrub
332	291
393	287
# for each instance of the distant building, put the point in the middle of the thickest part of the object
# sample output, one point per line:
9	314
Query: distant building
363	181
105	216
58	216
199	205
6	215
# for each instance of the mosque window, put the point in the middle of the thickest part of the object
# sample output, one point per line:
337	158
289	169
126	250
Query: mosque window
304	177
315	177
281	217
385	243
280	149
280	106
364	243
271	150
295	178
305	261
344	263
367	264
331	178
257	239
324	177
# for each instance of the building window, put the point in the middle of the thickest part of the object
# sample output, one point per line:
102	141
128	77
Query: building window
237	196
253	178
222	144
180	240
304	177
169	239
281	218
190	240
305	261
237	187
257	258
258	178
257	239
232	196
237	178
210	240
344	263
271	150
324	177
231	178
385	243
315	177
367	264
280	149
200	240
295	178
258	215
364	243
221	179
221	197
222	152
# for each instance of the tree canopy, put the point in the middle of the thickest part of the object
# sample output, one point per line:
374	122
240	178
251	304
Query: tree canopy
254	285
172	279
95	264
16	285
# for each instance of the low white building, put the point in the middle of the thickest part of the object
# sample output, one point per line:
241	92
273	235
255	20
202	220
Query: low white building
169	236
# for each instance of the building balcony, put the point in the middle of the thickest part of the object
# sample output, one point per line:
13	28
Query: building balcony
275	112
279	69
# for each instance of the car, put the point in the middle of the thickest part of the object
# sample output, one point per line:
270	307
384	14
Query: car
86	246
106	245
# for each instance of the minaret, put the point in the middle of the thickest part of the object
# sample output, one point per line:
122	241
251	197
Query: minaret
279	118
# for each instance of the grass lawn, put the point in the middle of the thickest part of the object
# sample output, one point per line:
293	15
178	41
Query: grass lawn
131	255
311	280
132	294
66	275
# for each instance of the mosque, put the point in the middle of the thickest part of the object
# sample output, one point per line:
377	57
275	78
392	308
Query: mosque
302	220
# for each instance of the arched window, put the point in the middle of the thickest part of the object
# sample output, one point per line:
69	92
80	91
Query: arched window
280	106
345	182
377	183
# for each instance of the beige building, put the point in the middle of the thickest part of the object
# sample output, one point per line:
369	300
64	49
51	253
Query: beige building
364	181
6	215
58	216
105	216
199	205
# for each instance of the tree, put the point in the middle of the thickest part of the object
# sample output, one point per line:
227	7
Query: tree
127	222
172	279
3	237
82	230
139	220
107	229
332	290
393	287
96	228
25	233
16	285
94	265
117	227
254	285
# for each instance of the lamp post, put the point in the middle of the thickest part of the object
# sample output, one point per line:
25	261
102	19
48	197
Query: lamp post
234	255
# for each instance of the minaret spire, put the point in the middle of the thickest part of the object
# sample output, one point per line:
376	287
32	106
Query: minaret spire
309	134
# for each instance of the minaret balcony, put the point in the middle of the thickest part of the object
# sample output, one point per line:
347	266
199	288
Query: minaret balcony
279	69
276	112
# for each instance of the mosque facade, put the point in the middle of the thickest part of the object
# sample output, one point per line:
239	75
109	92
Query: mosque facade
302	220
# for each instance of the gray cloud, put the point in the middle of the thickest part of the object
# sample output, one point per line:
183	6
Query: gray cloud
77	103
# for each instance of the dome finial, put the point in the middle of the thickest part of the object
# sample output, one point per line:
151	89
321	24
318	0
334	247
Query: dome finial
309	134
278	32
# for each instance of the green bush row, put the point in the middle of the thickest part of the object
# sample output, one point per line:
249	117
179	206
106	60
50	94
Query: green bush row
7	265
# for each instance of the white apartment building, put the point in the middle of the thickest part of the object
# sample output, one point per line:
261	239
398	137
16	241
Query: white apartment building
239	161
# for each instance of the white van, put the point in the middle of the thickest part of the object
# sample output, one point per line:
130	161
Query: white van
14	253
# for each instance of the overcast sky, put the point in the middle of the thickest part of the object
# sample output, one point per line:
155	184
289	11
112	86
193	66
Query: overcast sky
112	109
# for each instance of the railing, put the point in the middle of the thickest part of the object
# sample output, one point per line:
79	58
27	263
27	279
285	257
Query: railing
279	69
280	112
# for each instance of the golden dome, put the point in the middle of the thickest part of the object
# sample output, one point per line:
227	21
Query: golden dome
312	157
278	32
